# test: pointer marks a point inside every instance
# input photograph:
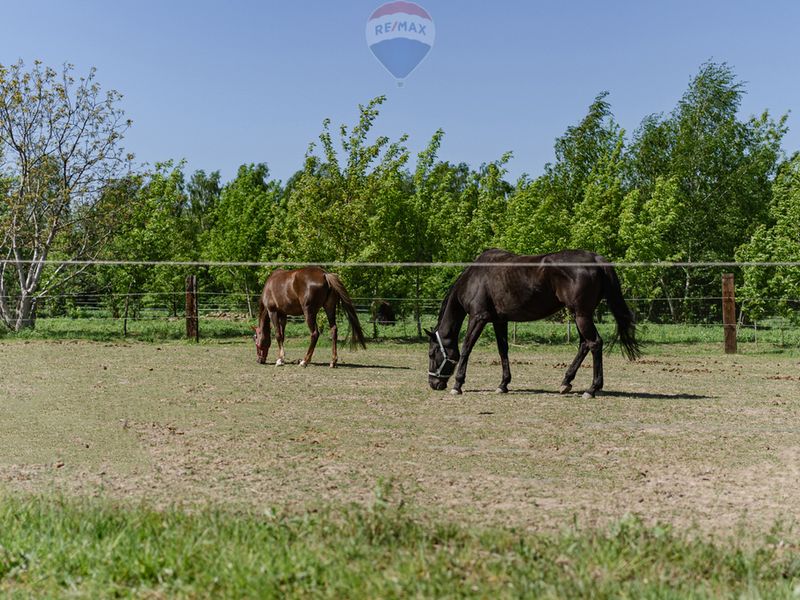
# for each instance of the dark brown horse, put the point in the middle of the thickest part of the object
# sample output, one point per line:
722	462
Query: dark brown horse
575	279
303	292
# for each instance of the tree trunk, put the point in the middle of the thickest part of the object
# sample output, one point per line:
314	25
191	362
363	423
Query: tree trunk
26	315
669	300
686	288
125	319
114	307
249	301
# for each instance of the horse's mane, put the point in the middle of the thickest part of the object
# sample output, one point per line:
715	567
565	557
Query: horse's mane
446	299
261	308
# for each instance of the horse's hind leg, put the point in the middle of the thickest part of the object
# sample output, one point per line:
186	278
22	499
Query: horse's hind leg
501	333
311	321
594	343
265	334
331	313
583	350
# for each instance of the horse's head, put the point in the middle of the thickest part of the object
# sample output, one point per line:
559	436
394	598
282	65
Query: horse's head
442	361
262	344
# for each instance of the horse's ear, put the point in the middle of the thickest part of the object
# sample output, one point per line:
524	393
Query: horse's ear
253	328
429	332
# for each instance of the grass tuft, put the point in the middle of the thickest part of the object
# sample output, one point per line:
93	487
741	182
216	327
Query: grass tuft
766	337
95	548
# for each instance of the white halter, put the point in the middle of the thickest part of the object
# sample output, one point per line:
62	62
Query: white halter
446	360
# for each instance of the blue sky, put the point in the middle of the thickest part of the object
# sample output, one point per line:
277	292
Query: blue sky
226	83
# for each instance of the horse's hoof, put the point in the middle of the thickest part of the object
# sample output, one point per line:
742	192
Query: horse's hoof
455	392
587	395
333	365
565	389
279	362
501	390
303	363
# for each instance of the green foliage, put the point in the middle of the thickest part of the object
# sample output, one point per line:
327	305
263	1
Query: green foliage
204	191
779	240
245	220
560	209
719	170
771	336
353	207
596	219
696	184
650	231
155	229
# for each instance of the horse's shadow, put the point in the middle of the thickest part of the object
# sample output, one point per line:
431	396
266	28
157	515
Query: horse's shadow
358	366
600	395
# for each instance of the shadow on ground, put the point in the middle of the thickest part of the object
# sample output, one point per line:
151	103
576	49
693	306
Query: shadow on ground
600	395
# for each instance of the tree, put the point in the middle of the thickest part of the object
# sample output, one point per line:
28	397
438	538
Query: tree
596	218
355	207
778	241
588	157
155	228
650	229
720	167
60	147
204	191
723	166
356	200
245	218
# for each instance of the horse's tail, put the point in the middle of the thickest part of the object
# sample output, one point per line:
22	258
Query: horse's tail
626	322
356	334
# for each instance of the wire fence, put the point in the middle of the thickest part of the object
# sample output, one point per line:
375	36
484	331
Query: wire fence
227	315
238	302
403	264
225	312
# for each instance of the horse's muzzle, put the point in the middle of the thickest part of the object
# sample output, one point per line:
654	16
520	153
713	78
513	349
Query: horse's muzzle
437	384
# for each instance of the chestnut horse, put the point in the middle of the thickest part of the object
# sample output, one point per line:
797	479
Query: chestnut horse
303	292
539	287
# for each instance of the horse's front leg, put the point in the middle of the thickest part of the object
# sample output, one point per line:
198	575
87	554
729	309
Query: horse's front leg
275	319
501	333
311	321
281	338
474	329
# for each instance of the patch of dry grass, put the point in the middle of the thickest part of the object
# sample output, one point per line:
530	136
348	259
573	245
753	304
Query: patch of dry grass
685	436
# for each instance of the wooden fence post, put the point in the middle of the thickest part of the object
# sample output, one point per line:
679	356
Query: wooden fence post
729	313
192	320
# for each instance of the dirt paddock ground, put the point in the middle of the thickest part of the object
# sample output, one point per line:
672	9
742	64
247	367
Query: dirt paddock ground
687	435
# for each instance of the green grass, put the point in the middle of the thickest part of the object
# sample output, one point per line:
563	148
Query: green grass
70	548
769	336
104	329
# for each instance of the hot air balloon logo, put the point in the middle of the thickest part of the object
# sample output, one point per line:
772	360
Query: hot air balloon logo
400	35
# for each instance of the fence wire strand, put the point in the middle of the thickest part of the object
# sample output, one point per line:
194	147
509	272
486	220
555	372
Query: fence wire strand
377	264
